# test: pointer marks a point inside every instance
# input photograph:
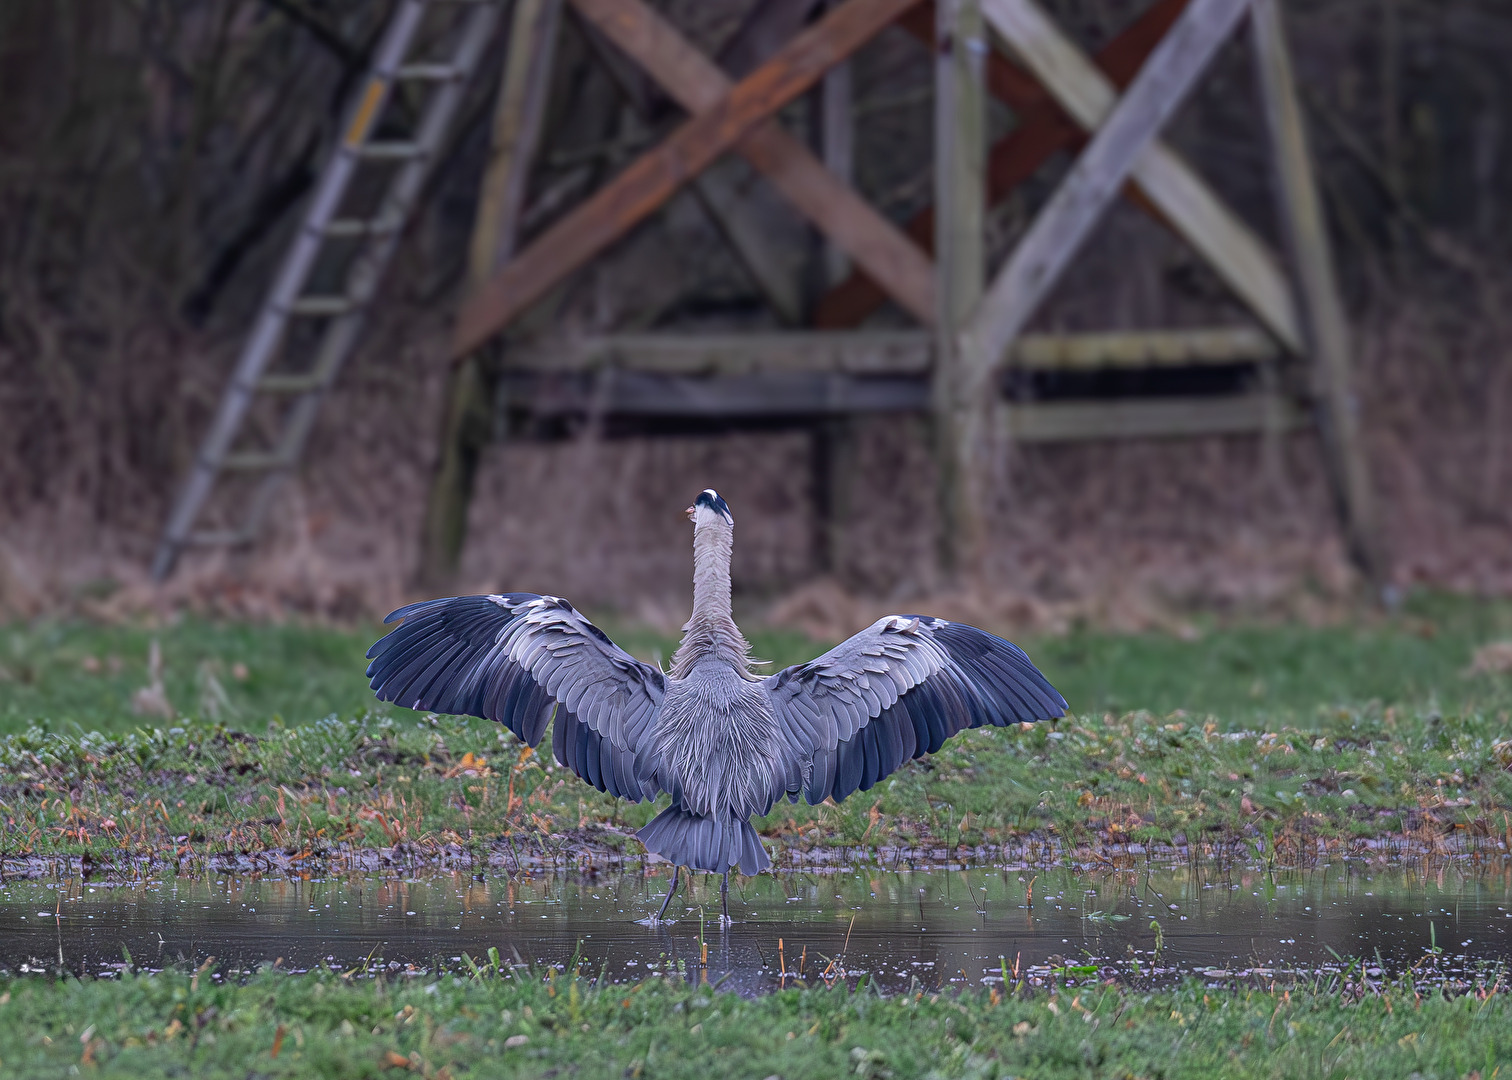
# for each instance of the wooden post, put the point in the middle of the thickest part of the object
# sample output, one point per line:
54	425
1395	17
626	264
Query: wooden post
741	119
835	437
1094	181
1337	406
1173	189
834	472
838	138
961	418
721	192
1042	129
518	116
468	400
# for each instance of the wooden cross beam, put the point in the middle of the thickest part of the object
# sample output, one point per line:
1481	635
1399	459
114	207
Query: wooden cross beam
968	428
723	124
1098	175
697	83
1043	130
1064	94
1307	235
1183	199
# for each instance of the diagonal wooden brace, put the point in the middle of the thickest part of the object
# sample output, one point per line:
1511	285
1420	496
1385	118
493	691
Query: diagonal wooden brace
1043	130
649	181
1096	178
1183	199
696	83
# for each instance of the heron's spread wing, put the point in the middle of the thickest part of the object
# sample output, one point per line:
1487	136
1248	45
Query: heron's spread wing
520	658
898	690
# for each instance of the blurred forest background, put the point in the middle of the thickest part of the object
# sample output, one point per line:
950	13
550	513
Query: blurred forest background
153	157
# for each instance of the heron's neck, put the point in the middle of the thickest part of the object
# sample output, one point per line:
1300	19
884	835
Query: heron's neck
711	631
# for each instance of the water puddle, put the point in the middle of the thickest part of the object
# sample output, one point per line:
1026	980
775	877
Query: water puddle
899	929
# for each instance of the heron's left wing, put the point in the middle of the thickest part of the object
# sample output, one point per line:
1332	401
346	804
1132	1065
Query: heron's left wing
898	690
519	658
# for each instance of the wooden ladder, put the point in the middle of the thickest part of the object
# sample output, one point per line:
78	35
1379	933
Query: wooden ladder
354	250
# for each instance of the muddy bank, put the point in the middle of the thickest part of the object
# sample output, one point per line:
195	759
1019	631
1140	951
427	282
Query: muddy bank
591	852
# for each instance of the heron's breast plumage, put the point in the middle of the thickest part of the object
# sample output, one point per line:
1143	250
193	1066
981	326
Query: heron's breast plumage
718	741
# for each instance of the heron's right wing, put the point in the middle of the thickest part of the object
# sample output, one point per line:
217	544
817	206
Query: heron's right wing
896	691
521	659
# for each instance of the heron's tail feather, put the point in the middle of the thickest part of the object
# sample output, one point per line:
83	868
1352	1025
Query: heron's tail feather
705	844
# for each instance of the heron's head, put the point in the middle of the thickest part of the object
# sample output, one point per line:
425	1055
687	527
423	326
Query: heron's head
709	507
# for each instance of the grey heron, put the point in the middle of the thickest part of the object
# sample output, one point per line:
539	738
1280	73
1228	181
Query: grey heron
722	740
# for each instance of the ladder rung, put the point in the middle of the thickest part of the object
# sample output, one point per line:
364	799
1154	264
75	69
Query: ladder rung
321	305
256	461
429	72
390	151
218	538
291	384
360	226
398	55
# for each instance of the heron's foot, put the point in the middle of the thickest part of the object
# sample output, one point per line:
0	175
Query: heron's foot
725	920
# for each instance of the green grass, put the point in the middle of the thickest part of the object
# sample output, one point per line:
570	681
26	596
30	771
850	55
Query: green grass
75	677
1352	732
370	781
1266	736
521	1025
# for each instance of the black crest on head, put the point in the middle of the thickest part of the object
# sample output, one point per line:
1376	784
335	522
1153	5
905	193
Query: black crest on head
710	498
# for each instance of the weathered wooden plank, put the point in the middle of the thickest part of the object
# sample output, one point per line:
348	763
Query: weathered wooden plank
835	470
861	352
766	28
805	396
834	465
1307	238
826	199
961	419
793	394
643	186
1143	349
1149	418
1053	238
888	352
1183	199
518	117
1043	129
468	398
837	134
772	250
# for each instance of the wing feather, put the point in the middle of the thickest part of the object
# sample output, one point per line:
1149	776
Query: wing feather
897	691
521	659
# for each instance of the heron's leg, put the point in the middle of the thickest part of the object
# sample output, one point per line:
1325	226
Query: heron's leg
676	870
724	898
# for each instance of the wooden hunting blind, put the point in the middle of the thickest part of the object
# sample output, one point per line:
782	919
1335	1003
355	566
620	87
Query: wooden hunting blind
971	329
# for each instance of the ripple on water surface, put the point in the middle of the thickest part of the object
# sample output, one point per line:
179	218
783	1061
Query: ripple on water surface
896	928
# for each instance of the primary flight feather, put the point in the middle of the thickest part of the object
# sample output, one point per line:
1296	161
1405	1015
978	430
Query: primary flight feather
725	742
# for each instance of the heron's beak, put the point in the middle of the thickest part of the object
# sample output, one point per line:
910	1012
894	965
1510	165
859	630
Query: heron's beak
690	511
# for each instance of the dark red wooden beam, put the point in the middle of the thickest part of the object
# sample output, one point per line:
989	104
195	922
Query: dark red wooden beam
649	181
1043	131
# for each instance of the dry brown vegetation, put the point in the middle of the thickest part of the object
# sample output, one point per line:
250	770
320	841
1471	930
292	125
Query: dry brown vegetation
151	153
